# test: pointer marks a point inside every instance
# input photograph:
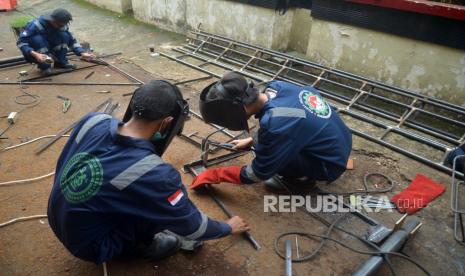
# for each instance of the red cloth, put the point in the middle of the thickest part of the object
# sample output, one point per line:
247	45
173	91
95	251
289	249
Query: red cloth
418	194
230	174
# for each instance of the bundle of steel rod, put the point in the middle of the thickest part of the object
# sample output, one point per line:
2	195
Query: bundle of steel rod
392	113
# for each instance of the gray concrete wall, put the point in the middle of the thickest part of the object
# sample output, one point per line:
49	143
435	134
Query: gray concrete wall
242	22
431	69
166	14
120	6
300	31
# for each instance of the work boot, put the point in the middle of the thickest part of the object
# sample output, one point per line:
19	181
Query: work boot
46	72
162	246
276	183
68	65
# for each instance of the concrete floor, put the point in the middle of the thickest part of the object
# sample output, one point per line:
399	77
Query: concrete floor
31	248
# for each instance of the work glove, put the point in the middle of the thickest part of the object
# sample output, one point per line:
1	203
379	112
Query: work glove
418	194
230	174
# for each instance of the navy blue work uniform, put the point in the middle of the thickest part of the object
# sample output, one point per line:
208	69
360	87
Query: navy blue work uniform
455	153
40	36
300	135
112	192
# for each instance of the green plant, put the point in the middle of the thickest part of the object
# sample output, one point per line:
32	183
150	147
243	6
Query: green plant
20	21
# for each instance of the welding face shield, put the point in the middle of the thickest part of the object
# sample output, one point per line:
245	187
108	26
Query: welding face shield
223	102
169	98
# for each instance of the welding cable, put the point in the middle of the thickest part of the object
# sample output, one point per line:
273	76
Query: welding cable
21	219
8	183
365	186
34	99
326	237
330	225
31	141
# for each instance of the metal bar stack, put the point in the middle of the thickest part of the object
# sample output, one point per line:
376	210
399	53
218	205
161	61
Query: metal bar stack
399	119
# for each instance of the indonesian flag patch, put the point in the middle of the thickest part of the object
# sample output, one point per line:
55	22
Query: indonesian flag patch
176	197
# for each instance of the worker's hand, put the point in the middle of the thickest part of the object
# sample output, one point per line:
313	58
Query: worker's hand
238	225
242	144
87	56
231	174
39	57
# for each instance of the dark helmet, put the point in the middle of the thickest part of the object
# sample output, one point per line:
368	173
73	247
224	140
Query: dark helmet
222	102
155	100
59	15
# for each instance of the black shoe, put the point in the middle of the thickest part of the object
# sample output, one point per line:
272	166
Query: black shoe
276	183
69	66
162	246
46	72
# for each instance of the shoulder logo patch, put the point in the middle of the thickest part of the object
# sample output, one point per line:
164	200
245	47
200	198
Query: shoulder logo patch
315	104
81	178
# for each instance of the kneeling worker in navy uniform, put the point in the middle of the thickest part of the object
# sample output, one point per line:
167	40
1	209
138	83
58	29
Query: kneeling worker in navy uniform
47	39
301	138
113	196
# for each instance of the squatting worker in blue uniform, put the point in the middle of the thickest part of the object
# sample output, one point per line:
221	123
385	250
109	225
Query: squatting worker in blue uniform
49	36
301	138
113	196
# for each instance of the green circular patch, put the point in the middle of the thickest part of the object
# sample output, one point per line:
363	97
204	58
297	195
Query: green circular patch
81	178
315	104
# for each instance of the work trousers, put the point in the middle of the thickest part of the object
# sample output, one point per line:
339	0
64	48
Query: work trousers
55	46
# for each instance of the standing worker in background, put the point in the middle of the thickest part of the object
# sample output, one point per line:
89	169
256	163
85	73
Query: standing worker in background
301	138
113	195
47	39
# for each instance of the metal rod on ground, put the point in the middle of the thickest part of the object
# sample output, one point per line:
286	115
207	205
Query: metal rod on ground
11	59
392	244
117	69
198	166
6	62
89	75
64	71
288	258
193	80
4	66
230	214
47	144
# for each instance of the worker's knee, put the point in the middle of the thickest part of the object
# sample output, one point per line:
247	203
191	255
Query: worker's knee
64	37
40	44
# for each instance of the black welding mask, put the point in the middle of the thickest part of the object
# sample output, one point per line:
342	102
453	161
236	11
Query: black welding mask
179	110
222	102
